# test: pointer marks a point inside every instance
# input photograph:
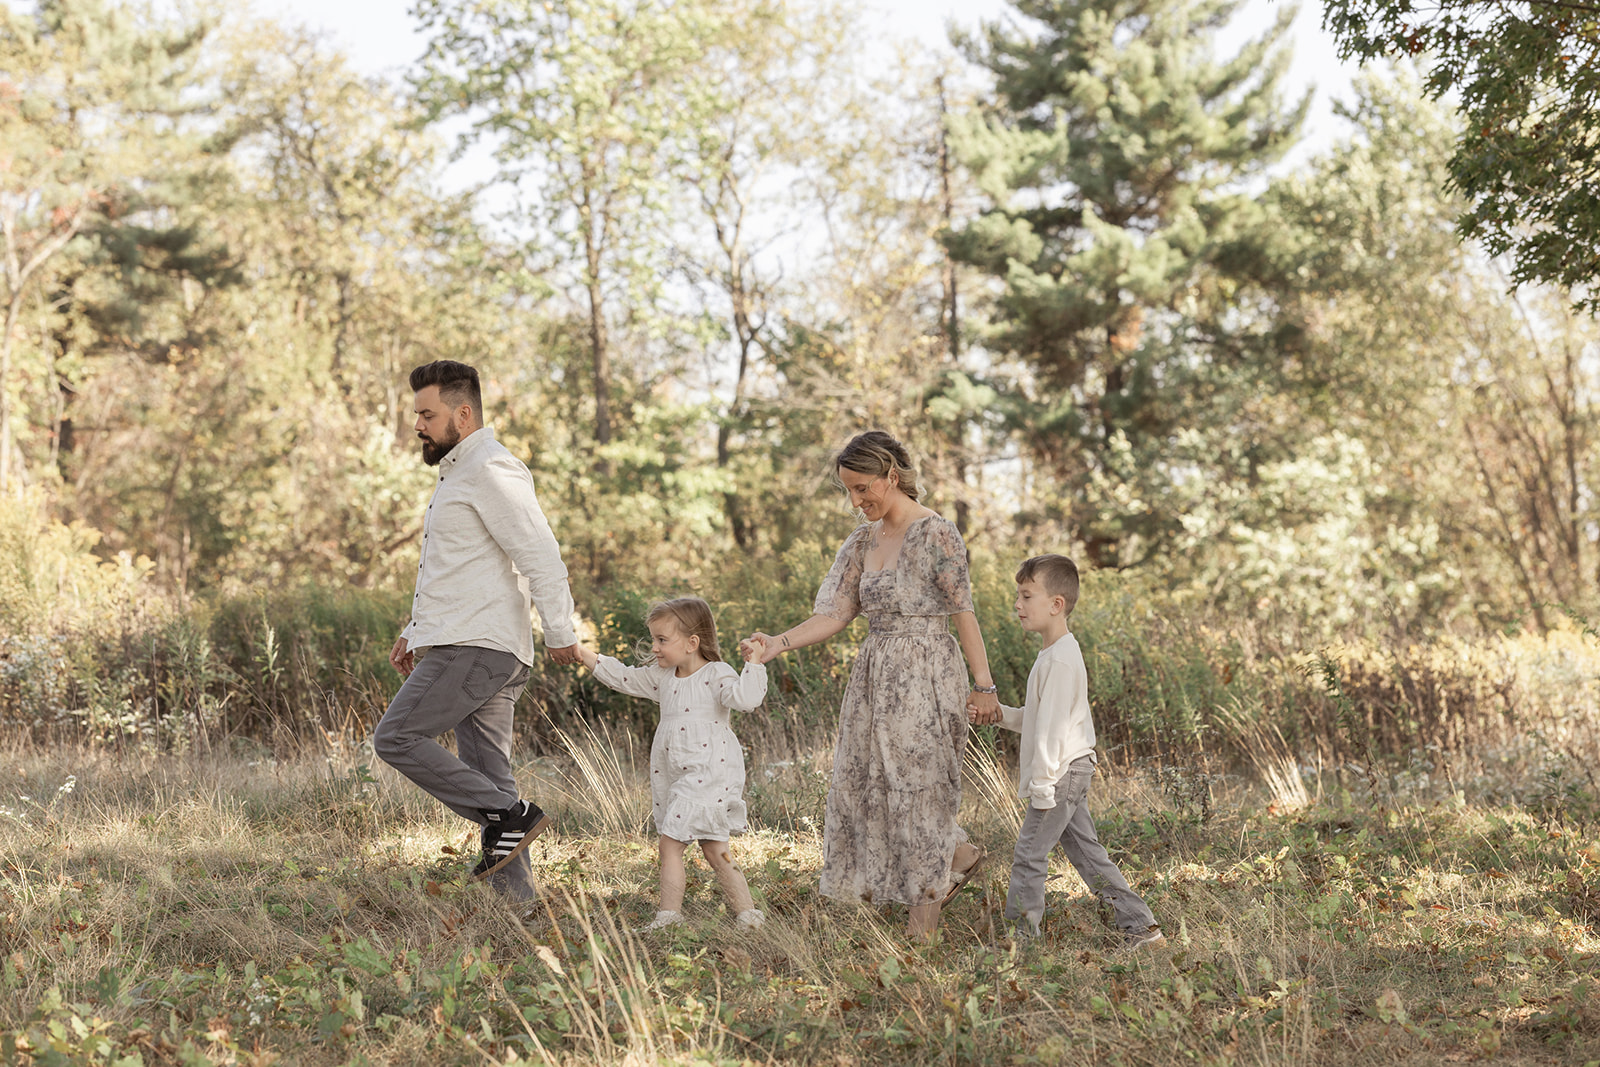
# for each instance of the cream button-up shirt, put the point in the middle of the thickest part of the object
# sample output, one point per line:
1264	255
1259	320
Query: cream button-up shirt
488	557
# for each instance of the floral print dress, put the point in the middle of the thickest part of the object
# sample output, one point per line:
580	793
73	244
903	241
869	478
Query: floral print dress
891	823
696	762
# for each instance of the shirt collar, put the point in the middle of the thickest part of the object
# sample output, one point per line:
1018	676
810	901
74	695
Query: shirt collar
469	444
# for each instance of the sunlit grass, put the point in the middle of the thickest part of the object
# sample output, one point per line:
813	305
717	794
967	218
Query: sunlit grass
212	909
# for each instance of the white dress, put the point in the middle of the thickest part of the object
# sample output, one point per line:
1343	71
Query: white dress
696	763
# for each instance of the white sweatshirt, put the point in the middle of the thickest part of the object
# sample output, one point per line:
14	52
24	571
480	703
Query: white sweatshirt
1055	723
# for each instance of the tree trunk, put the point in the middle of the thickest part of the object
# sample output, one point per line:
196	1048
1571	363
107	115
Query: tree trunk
17	274
950	308
600	358
745	329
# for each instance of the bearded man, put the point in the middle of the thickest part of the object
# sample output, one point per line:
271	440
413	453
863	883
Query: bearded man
488	555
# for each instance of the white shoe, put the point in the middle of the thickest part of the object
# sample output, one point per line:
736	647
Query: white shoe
1133	942
752	918
665	919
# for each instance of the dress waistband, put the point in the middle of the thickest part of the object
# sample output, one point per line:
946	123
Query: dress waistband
908	625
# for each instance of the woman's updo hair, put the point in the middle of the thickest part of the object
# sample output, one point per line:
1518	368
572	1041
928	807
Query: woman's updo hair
877	454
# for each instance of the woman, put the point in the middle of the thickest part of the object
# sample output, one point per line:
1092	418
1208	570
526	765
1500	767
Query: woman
891	832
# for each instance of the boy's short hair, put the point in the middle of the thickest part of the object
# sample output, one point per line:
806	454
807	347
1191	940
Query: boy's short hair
1057	574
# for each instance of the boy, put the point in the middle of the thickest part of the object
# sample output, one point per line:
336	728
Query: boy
1058	762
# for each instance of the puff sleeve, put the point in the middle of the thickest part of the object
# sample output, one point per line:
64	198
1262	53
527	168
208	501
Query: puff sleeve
840	595
938	583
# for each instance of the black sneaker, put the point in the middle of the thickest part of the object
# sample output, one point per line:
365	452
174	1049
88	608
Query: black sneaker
506	832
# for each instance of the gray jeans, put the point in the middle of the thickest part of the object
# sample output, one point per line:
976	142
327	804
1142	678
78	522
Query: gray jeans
1069	827
472	691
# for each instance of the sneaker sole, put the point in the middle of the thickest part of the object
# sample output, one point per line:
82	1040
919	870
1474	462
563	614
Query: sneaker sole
540	825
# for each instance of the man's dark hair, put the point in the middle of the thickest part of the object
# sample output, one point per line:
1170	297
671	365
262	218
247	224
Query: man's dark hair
457	382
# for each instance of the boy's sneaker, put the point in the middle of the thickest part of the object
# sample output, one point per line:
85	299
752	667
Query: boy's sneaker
1133	941
751	919
506	832
1022	932
665	919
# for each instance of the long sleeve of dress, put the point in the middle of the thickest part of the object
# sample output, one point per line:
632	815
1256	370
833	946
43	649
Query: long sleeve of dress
743	691
635	681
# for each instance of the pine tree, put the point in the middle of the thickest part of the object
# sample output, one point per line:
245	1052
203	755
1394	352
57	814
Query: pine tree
1117	154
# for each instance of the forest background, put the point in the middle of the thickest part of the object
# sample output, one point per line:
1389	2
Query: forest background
1319	424
1068	269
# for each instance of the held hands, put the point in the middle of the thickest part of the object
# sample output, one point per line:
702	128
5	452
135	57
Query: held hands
983	708
568	655
761	648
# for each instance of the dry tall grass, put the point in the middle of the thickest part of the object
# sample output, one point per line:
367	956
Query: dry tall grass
214	909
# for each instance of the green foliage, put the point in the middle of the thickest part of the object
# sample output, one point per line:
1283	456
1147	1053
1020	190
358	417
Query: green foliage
1528	80
1111	157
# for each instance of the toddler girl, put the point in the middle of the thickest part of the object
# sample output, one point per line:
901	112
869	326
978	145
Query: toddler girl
696	764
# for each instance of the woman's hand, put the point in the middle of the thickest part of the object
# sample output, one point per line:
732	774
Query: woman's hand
983	708
760	648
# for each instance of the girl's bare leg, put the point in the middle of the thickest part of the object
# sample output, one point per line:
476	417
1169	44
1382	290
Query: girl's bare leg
673	877
729	876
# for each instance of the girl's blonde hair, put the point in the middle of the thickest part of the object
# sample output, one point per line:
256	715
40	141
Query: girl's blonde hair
878	454
692	617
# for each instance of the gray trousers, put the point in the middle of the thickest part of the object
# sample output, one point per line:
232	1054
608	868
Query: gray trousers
472	691
1069	827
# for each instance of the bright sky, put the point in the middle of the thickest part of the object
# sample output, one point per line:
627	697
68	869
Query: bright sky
379	37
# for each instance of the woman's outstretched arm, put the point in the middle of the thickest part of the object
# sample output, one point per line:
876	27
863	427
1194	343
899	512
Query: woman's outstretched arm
986	705
816	629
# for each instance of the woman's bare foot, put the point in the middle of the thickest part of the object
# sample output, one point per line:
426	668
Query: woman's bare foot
923	921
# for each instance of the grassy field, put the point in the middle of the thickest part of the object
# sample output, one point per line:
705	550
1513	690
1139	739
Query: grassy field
208	909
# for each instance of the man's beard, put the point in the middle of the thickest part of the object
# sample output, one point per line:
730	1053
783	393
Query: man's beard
434	451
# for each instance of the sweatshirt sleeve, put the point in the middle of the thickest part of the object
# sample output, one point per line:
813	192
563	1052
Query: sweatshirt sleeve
642	682
1061	687
511	514
1010	718
743	691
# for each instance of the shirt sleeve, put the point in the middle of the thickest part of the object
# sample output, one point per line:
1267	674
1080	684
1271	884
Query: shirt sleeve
510	512
1061	686
642	682
948	573
1010	718
840	595
743	691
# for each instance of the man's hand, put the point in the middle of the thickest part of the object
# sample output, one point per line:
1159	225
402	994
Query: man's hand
401	658
564	656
